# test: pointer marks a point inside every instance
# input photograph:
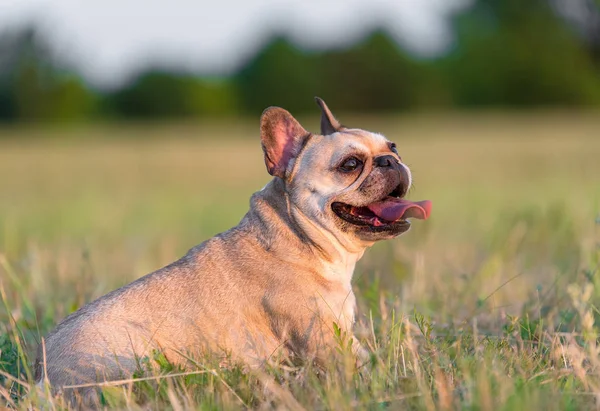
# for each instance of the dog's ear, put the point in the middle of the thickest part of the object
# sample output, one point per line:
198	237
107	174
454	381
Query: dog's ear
329	124
282	138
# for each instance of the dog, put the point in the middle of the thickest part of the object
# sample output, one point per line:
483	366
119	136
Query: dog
278	284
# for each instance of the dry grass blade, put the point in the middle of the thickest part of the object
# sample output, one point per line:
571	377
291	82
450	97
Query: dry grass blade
22	383
134	380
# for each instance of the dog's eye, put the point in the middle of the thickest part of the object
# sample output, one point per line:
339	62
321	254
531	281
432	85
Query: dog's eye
350	164
395	150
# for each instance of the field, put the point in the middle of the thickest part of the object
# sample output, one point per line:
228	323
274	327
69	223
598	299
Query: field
491	304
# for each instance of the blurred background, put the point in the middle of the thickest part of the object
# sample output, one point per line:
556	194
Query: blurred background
129	133
63	61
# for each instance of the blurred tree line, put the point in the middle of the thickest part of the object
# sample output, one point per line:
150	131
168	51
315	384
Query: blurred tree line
507	53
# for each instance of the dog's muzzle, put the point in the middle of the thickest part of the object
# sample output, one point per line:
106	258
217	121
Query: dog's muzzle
390	162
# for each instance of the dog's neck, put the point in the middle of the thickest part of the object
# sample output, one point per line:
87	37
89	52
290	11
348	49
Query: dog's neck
283	229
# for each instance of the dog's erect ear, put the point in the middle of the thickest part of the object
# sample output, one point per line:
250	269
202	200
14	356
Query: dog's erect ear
282	138
329	124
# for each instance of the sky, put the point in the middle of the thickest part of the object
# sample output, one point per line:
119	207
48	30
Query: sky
108	41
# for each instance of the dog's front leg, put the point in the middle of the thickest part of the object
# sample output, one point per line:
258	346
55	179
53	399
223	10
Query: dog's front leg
363	358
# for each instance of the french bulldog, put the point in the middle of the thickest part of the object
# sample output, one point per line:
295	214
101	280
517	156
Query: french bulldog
272	286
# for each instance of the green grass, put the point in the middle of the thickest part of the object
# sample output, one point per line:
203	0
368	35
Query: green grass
491	304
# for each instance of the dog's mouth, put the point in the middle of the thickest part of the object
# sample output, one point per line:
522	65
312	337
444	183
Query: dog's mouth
391	210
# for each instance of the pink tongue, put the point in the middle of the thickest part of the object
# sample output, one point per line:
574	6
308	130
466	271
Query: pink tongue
393	209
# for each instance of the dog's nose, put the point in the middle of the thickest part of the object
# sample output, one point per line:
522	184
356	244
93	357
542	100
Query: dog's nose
385	161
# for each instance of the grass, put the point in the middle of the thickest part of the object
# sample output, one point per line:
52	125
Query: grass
491	304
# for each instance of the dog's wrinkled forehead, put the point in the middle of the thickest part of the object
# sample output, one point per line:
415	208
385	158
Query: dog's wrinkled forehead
337	146
361	141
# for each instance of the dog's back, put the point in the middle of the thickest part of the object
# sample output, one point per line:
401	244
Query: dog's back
223	297
105	339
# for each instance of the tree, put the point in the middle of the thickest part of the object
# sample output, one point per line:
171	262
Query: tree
33	87
280	75
375	75
511	52
159	94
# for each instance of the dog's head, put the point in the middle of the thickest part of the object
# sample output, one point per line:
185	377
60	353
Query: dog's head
347	181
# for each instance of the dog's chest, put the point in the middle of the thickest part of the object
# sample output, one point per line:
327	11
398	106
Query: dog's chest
340	298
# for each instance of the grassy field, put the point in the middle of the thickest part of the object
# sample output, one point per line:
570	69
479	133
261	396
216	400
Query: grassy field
491	304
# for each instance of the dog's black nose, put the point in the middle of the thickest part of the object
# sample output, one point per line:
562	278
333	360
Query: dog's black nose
385	161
